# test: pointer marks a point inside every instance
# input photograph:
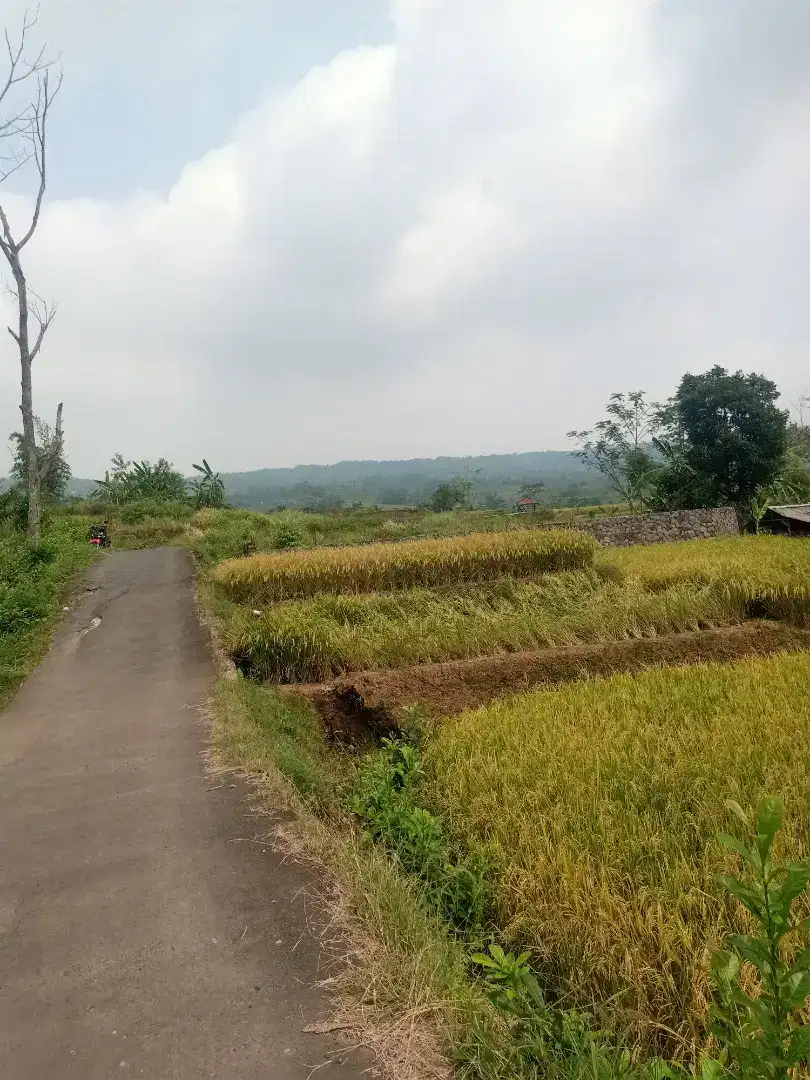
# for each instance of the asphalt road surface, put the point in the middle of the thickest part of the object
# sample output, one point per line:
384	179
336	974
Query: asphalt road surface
143	930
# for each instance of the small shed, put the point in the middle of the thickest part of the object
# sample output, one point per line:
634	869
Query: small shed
526	505
789	520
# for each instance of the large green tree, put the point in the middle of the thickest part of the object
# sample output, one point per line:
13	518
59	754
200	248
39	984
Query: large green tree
726	440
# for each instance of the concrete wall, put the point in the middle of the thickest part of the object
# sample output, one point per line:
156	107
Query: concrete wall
622	530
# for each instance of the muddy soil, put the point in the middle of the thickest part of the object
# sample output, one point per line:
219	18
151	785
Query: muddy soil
357	709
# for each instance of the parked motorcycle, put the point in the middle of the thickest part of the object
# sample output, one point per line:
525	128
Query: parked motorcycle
100	535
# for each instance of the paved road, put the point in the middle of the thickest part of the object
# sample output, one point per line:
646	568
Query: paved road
142	932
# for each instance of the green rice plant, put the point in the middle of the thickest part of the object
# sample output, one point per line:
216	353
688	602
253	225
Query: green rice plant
317	639
598	805
478	557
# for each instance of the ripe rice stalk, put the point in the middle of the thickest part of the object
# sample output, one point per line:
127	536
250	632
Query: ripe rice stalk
266	578
599	805
315	640
770	571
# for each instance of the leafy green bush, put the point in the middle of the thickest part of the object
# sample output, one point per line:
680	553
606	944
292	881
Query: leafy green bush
384	801
287	536
134	512
546	1041
14	509
32	580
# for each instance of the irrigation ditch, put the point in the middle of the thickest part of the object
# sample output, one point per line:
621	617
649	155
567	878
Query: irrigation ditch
366	706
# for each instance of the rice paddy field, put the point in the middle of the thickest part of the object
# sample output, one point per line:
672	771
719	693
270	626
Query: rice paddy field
477	557
596	801
330	635
599	805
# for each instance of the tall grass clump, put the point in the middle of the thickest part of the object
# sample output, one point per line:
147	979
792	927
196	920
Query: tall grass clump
478	557
599	804
316	639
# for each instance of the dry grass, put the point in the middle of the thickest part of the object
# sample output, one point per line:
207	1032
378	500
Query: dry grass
315	640
267	578
600	803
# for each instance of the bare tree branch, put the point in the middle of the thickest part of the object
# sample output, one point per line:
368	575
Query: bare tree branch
43	314
20	69
23	139
45	96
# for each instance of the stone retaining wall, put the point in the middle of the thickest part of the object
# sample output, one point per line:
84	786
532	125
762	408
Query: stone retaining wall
621	530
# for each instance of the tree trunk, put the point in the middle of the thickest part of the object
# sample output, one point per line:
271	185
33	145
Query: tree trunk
27	410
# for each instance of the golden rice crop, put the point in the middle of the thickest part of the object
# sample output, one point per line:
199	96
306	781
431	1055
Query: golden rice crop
316	639
600	804
266	578
771	570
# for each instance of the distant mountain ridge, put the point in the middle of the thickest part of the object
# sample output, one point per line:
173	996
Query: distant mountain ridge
496	479
412	481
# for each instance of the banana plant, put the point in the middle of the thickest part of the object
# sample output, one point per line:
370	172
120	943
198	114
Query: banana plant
209	488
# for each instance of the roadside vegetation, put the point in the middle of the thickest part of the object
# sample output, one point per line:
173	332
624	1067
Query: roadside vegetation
35	582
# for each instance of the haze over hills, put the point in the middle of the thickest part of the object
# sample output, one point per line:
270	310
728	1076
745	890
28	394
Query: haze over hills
496	480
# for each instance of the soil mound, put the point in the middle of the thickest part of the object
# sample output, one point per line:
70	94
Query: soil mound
368	705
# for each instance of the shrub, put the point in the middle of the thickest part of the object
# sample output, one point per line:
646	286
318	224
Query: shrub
287	536
384	801
154	509
762	1035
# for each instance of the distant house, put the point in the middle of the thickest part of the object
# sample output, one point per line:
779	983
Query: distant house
526	505
789	520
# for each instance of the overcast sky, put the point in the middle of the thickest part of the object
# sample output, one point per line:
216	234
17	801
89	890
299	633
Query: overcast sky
308	230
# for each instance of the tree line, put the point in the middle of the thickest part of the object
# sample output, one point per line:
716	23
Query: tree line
720	440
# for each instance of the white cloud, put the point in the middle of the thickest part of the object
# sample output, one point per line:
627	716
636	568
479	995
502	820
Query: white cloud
464	241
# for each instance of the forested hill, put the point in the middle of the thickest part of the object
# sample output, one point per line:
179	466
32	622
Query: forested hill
411	482
495	478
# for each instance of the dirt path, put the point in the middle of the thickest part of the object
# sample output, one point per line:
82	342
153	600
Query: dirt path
143	931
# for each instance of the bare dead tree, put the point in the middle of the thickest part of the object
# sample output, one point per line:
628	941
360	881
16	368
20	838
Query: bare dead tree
26	95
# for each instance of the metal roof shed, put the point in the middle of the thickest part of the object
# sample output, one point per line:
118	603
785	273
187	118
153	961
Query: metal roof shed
792	520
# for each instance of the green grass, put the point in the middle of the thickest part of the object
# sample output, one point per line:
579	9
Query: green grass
34	582
599	804
215	535
264	724
404	983
314	640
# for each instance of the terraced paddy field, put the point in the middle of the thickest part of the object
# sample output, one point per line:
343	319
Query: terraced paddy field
584	713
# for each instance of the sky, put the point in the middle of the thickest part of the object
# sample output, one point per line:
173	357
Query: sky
299	231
